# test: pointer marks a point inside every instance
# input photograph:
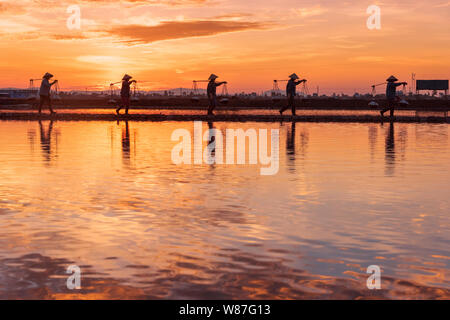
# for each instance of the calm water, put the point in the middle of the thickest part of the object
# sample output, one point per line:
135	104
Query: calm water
106	197
304	112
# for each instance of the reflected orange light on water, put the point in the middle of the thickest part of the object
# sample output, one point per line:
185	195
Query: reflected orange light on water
107	197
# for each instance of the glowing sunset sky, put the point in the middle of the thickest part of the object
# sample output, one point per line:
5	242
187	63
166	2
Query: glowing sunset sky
248	43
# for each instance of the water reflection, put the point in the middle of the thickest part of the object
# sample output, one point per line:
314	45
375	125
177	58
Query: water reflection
434	137
390	151
126	144
211	147
245	276
46	142
290	141
294	149
36	276
291	144
373	137
403	142
304	140
127	153
167	231
32	139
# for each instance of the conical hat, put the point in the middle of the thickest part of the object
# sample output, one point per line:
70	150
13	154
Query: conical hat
294	76
392	79
127	77
47	75
212	77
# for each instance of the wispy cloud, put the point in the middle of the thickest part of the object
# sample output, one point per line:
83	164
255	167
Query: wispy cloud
310	11
443	5
232	16
367	59
173	3
171	30
11	8
69	37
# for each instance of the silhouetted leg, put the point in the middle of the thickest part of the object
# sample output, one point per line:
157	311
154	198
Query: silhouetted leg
212	105
209	105
50	128
127	105
41	103
392	106
283	109
388	107
292	103
49	101
122	105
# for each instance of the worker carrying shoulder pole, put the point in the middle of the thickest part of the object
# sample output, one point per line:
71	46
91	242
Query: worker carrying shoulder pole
212	92
391	95
44	92
125	93
291	89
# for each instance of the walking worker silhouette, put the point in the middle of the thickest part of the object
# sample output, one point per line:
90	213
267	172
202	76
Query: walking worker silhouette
391	95
212	92
291	88
125	93
44	92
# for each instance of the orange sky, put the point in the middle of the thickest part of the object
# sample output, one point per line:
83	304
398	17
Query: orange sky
248	43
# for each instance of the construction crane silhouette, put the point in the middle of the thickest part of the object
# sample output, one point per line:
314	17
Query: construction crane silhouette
31	86
224	99
275	84
276	92
135	96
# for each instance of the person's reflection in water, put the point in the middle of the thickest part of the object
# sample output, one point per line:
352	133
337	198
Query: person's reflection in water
46	141
402	142
373	135
211	143
304	140
390	151
291	145
32	139
290	142
290	148
126	144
